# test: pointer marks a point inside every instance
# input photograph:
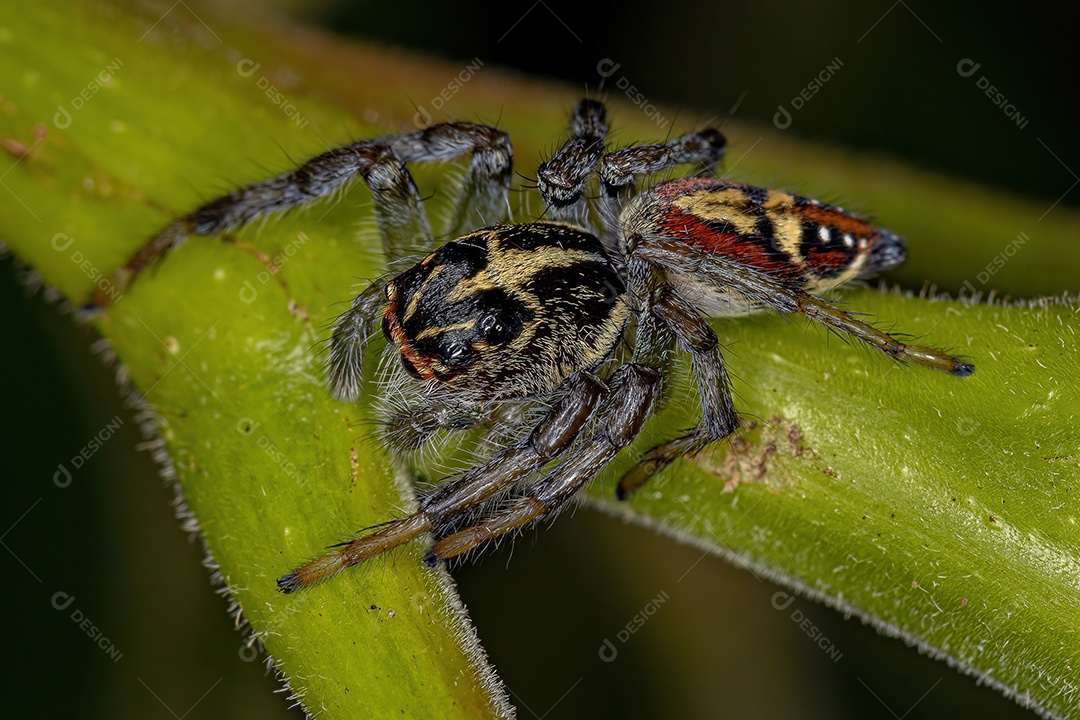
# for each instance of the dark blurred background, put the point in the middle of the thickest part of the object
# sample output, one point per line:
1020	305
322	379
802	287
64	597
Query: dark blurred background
716	647
898	90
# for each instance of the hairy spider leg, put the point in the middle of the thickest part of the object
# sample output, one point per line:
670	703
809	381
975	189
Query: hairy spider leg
410	428
562	177
378	161
481	197
549	439
718	416
678	257
348	342
635	388
619	170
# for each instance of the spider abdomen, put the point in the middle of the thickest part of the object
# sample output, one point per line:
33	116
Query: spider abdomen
807	244
507	311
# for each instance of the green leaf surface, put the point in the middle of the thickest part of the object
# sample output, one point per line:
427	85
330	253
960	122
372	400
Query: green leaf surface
939	509
942	509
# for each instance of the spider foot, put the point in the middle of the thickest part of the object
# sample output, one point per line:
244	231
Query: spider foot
938	360
392	534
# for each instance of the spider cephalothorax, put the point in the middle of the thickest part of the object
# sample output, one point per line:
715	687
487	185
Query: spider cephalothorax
573	318
508	311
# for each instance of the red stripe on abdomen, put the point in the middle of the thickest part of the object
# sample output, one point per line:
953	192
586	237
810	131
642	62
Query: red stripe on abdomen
756	252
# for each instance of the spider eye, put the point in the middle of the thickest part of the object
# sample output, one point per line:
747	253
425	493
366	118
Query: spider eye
455	352
410	367
492	329
498	328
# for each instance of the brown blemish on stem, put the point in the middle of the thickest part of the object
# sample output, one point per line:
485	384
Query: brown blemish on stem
751	455
15	148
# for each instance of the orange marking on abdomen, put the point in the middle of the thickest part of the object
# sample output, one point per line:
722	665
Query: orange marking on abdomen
832	217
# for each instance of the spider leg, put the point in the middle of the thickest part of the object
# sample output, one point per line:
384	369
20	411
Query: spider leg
718	417
635	389
620	169
548	440
562	177
398	210
679	258
380	162
482	196
348	341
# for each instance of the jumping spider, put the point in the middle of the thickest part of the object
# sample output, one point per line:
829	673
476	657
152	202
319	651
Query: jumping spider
534	315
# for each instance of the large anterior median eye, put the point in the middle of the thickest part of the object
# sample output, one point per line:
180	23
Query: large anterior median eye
455	352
